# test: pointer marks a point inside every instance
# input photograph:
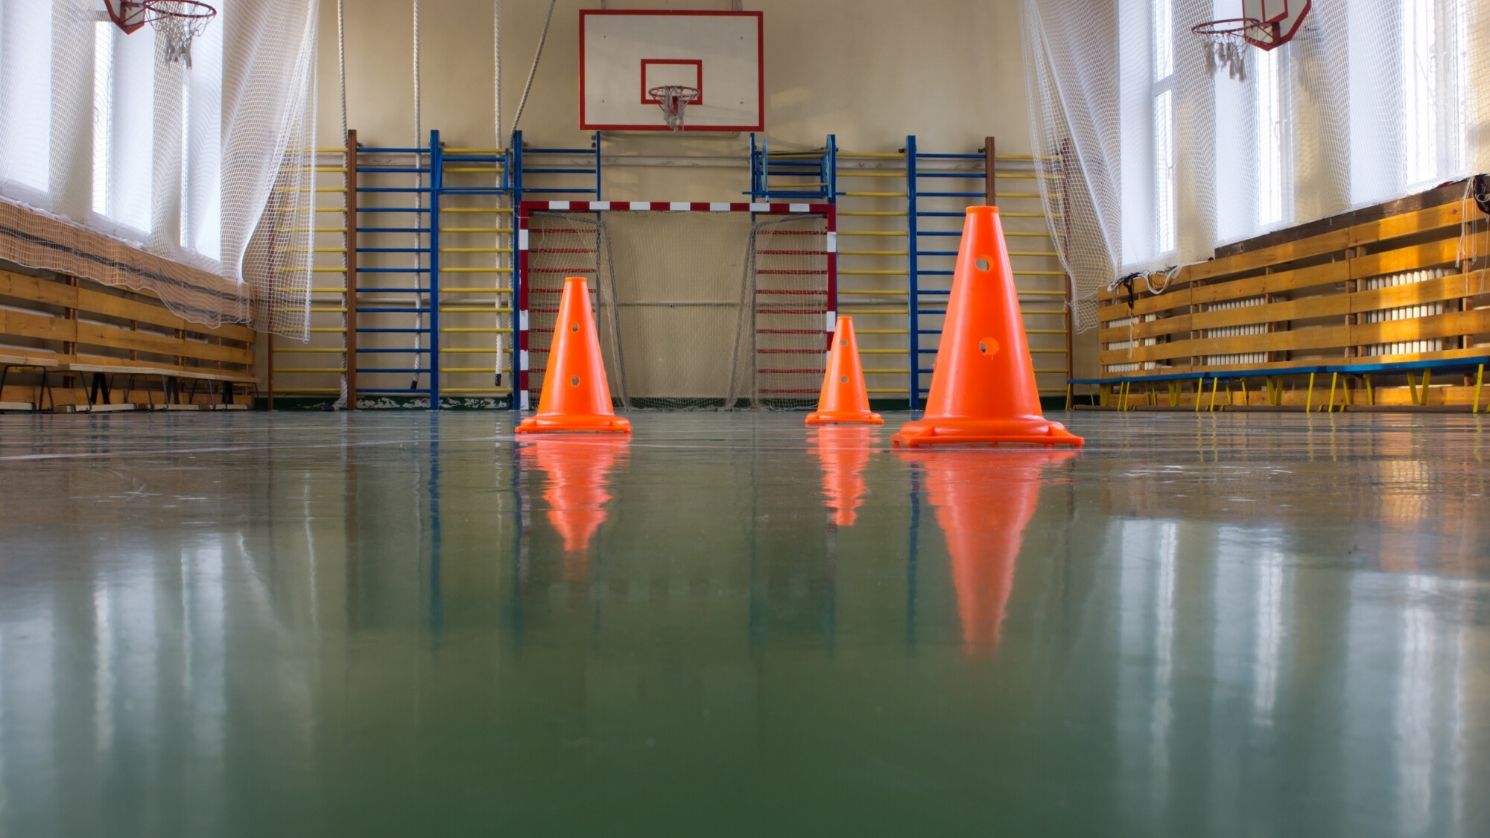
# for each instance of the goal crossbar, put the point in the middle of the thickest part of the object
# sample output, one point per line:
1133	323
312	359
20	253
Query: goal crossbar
530	277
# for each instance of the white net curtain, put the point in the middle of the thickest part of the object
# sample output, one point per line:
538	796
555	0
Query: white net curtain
104	135
1156	160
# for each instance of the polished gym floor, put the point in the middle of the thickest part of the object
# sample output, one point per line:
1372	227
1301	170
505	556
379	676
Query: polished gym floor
399	623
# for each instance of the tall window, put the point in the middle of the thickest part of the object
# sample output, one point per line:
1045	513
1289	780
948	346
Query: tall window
123	125
201	159
1433	68
25	92
1163	99
1271	137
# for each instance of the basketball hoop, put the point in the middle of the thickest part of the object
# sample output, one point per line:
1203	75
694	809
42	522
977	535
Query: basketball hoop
1226	41
177	22
673	99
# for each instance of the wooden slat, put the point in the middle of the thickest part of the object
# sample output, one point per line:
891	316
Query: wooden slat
1452	287
108	366
1443	216
1145	329
1314	276
99	334
145	310
1414	258
37	289
39	326
1307	308
28	360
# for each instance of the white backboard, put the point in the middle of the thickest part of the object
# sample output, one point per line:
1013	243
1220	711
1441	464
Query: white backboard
1284	16
625	52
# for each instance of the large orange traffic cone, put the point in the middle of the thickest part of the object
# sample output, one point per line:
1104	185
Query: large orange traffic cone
984	500
843	453
844	400
575	396
983	385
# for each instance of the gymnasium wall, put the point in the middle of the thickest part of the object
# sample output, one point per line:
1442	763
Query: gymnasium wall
869	71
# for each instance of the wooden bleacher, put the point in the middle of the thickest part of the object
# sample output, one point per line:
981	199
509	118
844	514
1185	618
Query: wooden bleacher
68	344
1357	315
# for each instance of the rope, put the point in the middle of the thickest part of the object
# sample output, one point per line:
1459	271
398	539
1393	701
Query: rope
419	258
533	70
496	51
341	64
341	75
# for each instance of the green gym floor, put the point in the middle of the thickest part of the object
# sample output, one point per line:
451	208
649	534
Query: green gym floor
398	623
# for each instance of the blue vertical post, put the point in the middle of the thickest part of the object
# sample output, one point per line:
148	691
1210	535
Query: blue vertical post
830	168
913	249
755	169
436	183
597	165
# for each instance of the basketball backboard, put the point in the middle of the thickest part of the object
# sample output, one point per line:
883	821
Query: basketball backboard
1283	17
624	53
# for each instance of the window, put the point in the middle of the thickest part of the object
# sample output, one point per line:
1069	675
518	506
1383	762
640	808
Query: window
201	158
1163	109
1271	137
1433	66
123	125
25	93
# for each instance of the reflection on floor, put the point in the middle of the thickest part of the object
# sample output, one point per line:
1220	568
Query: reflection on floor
400	623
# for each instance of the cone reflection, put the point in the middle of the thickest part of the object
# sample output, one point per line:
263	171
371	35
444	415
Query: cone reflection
843	452
577	489
984	500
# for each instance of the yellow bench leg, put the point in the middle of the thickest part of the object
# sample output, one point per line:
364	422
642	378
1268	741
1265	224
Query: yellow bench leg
1479	384
1215	385
1334	377
1309	399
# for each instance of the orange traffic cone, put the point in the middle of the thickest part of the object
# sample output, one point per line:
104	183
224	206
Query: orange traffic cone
984	501
844	400
843	453
578	472
575	396
983	386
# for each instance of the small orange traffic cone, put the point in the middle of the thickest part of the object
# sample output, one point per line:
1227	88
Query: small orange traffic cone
844	400
983	385
575	395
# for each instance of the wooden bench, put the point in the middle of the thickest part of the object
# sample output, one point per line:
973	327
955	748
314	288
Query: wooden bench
1419	375
1388	292
43	388
103	377
98	337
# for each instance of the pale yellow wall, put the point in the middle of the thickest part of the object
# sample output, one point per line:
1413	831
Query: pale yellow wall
869	71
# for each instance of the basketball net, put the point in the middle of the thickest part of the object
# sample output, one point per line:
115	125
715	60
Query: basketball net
674	99
1226	43
177	22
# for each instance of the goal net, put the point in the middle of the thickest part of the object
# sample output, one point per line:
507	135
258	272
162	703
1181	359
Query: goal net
697	308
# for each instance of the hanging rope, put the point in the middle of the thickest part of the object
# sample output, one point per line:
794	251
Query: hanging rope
533	70
341	64
420	260
496	51
498	142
